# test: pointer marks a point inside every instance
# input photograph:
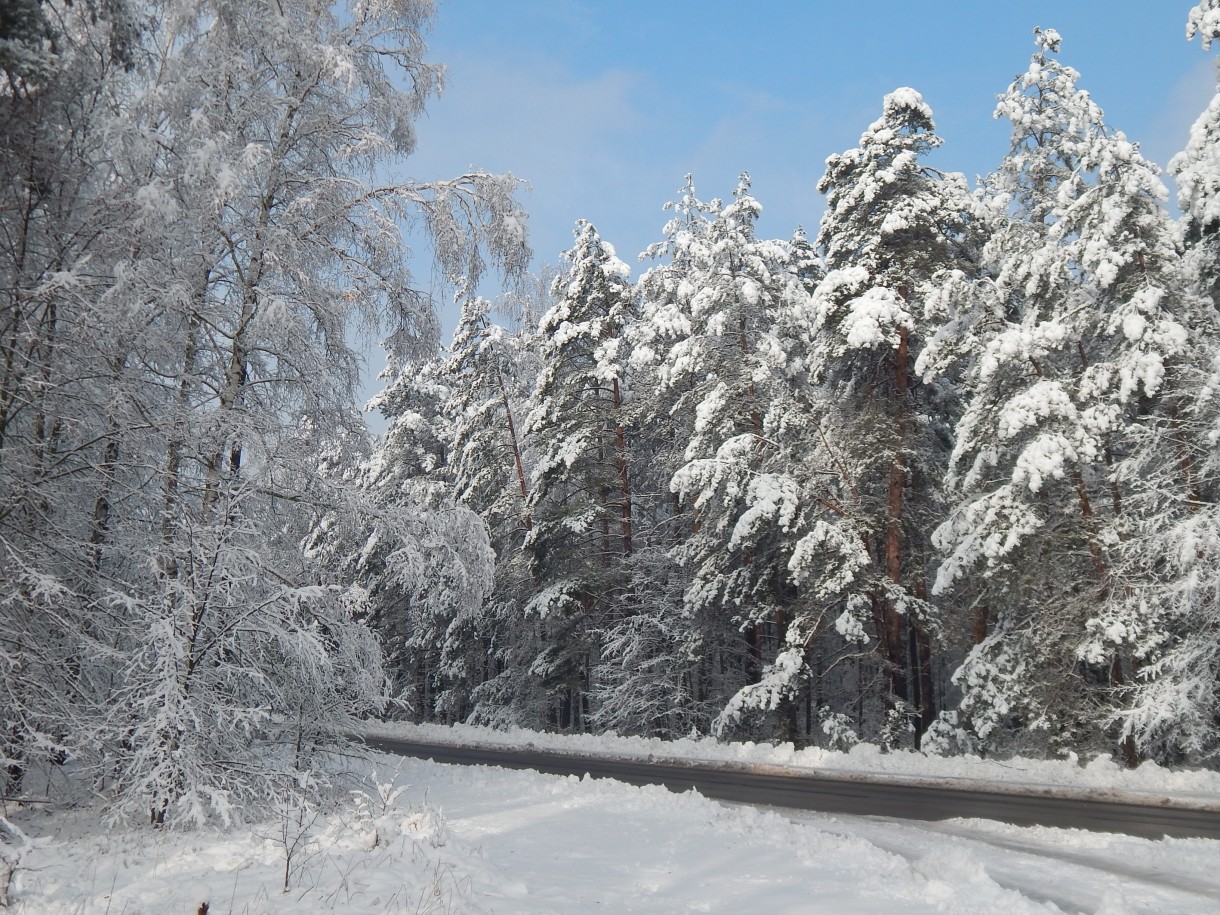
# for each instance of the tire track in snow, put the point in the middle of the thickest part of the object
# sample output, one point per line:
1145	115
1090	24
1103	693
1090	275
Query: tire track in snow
1191	883
1074	881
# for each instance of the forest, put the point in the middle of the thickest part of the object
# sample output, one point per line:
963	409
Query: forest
945	475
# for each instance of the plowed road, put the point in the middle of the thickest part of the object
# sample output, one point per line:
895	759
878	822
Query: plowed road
865	797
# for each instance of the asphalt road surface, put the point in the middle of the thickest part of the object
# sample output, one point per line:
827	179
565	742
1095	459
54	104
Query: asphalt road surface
837	795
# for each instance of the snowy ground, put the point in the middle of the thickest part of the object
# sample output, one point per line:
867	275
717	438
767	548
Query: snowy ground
1099	778
520	842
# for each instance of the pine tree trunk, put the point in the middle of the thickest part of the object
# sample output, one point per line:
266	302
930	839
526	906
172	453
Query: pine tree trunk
1086	512
895	655
753	669
979	624
888	624
923	666
1130	752
516	448
620	448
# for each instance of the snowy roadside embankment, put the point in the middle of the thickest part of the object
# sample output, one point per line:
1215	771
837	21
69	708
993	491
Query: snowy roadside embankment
383	849
426	838
1099	778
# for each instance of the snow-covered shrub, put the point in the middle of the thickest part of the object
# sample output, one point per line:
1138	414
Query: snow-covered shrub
377	816
899	727
949	735
840	735
14	843
293	830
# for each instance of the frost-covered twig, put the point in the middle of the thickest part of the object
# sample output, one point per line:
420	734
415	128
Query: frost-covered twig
14	844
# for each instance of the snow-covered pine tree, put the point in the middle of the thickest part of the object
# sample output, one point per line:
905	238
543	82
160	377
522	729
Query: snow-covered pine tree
893	228
770	702
1080	356
26	38
1169	618
580	492
488	460
663	417
424	560
710	331
659	671
492	468
1197	172
1204	20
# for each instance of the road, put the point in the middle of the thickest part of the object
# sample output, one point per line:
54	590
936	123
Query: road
829	794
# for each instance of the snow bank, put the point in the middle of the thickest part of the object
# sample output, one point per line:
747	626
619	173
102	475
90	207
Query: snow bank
474	839
385	850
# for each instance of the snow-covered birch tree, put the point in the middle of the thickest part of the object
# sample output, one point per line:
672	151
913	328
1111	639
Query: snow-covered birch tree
63	352
245	239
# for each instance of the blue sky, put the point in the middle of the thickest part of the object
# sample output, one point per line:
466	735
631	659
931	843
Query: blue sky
604	106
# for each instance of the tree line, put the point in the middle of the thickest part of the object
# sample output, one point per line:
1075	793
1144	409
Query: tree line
943	476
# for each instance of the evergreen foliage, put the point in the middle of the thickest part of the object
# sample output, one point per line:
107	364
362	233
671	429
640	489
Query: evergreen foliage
894	229
925	474
1077	362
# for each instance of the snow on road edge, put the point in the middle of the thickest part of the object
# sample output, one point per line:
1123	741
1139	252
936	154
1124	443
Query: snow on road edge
1097	779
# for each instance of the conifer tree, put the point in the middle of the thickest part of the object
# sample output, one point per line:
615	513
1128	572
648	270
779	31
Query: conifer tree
424	558
709	333
661	666
580	493
492	466
1090	317
893	228
1168	619
1197	172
